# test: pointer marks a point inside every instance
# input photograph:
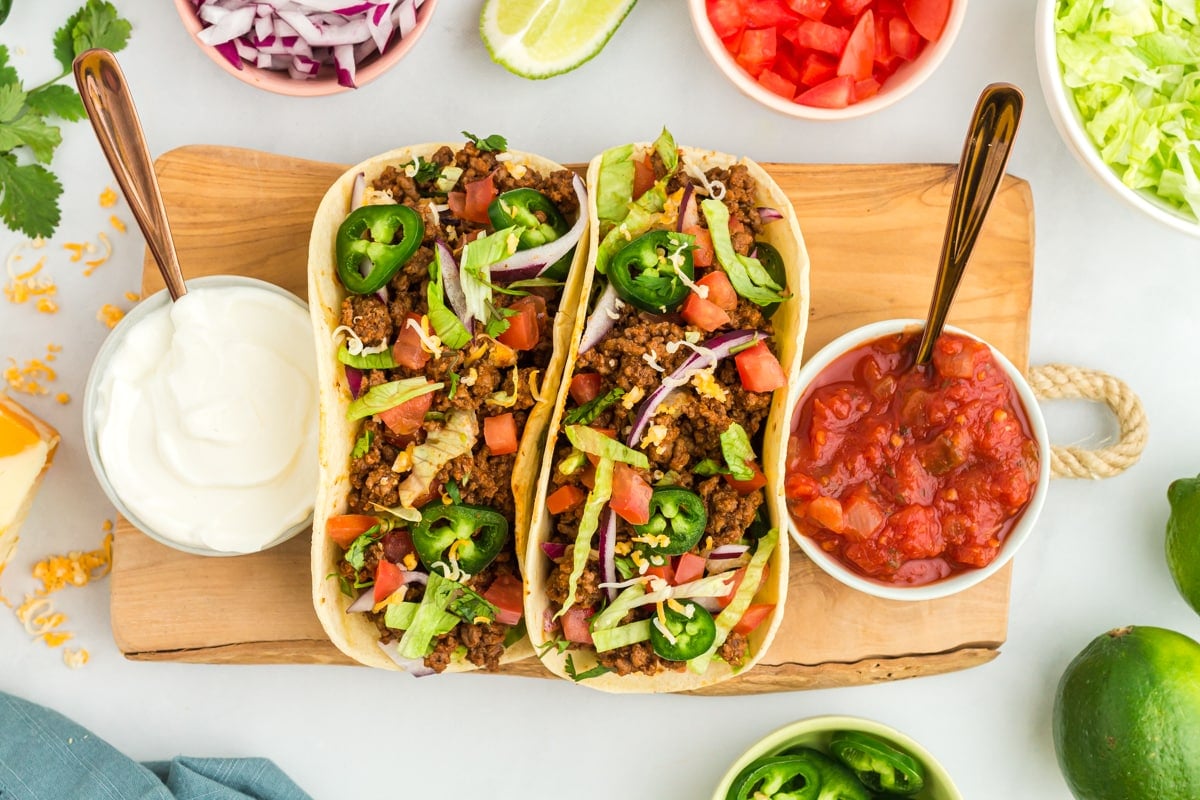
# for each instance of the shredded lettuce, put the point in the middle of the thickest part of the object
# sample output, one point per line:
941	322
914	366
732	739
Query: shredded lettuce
629	599
446	325
428	617
733	612
587	413
589	523
590	440
749	277
615	189
440	447
1133	70
387	396
399	616
622	635
380	360
475	274
738	452
664	145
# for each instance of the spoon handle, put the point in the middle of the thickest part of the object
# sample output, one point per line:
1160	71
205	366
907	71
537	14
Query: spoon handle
985	154
110	108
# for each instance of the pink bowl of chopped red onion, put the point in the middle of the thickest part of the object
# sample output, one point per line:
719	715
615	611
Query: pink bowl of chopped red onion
306	48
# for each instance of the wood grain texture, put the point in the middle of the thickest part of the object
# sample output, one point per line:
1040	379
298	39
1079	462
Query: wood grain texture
873	233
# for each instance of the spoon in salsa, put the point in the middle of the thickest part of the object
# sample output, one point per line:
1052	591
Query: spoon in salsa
985	155
113	116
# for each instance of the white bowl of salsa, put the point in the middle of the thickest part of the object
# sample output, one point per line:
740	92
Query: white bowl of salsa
913	484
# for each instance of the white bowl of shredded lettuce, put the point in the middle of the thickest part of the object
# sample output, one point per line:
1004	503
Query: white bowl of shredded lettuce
1122	80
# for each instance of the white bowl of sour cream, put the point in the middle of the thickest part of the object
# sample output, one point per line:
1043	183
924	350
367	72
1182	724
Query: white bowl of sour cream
200	417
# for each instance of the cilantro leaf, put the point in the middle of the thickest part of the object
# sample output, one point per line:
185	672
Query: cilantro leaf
470	607
57	100
489	144
64	41
99	25
32	130
362	445
7	74
709	466
426	171
499	323
30	201
594	672
587	413
356	554
12	100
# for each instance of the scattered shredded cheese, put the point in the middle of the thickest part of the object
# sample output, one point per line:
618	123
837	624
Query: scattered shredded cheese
410	561
78	249
117	223
27	285
470	378
110	315
354	345
75	658
660	622
101	260
708	386
33	377
430	342
632	397
505	400
108	198
63	398
651	358
76	568
622	548
676	606
641	563
132	297
404	461
655	436
653	539
534	388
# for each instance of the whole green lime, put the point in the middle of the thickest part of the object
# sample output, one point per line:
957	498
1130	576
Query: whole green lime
1127	717
1183	538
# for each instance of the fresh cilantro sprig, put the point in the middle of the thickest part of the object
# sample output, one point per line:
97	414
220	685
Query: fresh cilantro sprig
488	144
29	203
594	672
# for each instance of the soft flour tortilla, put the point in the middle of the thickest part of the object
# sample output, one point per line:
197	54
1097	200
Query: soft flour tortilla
790	322
354	634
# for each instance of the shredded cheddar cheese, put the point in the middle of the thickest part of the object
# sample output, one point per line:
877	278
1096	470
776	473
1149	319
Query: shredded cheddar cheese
410	561
708	386
110	315
76	568
28	285
33	377
633	397
78	250
75	658
108	198
63	398
101	260
117	223
132	297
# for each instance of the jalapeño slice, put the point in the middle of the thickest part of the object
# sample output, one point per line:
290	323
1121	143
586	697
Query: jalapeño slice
677	514
366	251
877	763
475	535
693	631
646	271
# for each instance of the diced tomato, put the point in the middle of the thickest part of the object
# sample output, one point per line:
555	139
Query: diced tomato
630	495
774	82
726	17
388	579
738	576
834	93
480	195
666	572
585	387
813	35
564	499
407	417
500	433
816	69
759	369
407	350
524	326
768	13
345	528
643	177
746	487
704	314
904	39
852	8
720	290
689	567
826	512
859	56
928	16
702	256
753	617
575	625
883	41
757	50
865	88
508	596
813	9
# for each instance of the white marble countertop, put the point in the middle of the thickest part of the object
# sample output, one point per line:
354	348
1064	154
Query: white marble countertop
1112	290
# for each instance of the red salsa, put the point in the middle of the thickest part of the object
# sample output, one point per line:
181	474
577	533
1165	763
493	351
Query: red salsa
908	475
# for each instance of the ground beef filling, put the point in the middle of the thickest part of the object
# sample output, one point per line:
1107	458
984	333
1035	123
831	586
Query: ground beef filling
483	373
687	429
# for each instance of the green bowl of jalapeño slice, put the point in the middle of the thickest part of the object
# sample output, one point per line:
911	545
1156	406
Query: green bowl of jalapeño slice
836	758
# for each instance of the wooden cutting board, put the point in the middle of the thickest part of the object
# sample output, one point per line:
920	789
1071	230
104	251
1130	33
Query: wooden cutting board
873	233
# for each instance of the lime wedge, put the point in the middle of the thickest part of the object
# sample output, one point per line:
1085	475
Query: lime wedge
541	38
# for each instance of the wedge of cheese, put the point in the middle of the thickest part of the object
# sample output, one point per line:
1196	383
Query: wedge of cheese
27	447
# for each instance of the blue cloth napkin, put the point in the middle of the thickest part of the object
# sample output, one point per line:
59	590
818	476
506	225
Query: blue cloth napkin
45	756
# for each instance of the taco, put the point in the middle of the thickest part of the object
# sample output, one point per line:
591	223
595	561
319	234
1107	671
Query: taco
656	562
443	285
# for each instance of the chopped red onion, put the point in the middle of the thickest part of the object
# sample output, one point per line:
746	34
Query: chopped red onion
689	216
554	550
300	36
719	347
413	666
452	283
526	264
767	214
365	602
358	191
729	551
354	379
608	557
604	317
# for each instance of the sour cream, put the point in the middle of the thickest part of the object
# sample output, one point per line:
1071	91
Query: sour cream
206	418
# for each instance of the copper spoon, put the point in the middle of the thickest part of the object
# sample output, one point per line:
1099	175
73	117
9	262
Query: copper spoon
110	108
980	170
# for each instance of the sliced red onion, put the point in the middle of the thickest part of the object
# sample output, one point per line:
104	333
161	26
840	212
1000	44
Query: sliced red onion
720	347
358	191
365	602
767	214
354	380
452	283
548	623
604	317
709	604
608	555
413	666
554	550
526	264
689	216
273	34
729	551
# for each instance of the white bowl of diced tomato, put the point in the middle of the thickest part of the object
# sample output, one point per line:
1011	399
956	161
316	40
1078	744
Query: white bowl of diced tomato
827	59
913	483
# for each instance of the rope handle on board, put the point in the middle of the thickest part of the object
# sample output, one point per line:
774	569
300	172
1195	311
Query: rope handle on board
1063	382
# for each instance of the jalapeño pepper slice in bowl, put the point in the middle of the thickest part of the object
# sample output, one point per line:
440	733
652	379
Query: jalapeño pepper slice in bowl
472	536
367	253
790	777
646	271
528	209
878	764
677	514
693	632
